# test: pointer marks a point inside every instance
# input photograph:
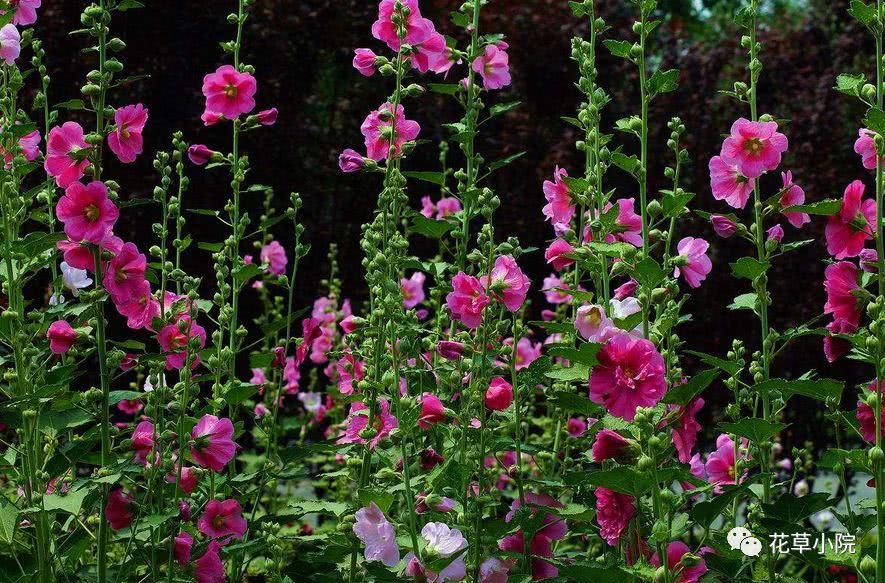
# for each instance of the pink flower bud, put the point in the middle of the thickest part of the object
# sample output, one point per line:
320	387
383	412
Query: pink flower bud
723	226
350	161
199	154
499	394
268	117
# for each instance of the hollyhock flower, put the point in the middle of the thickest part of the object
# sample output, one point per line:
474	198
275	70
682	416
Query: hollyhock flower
274	256
527	352
74	279
693	263
680	573
720	466
429	50
188	482
377	129
383	423
212	444
866	417
209	568
447	206
499	395
630	374
125	274
182	547
87	213
364	62
267	117
576	427
229	92
130	406
30	145
61	337
723	226
793	195
350	161
349	370
62	147
430	459
139	308
199	154
869	260
222	518
865	146
291	376
842	287
507	283
614	511
755	147
623	309
312	402
118	510
494	67
626	290
210	118
559	208
609	445
10	44
25	11
174	342
467	300
386	30
686	428
310	332
127	141
628	224
556	254
539	546
413	290
775	233
554	527
450	350
432	411
593	324
495	570
728	183
143	442
847	230
258	377
555	290
444	504
377	534
442	542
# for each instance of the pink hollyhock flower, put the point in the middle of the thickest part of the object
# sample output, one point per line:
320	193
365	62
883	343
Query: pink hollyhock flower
182	547
755	147
386	30
258	377
189	479
127	141
793	195
118	510
87	213
539	546
693	263
349	370
555	290
377	534
430	52
866	417
229	92
432	411
628	224
291	376
450	350
728	183
447	206
310	331
494	67
685	431
350	161
835	348
25	11
527	352
507	283
222	518
62	147
495	570
720	466
200	154
30	145
681	573
143	442
10	44
267	117
559	209
775	233
630	374
442	542
130	406
139	308
499	395
614	511
847	230
576	427
869	260
274	255
383	423
609	445
842	287
174	342
413	290
61	337
865	146
444	505
209	568
124	277
626	290
593	324
364	62
428	209
723	226
467	300
377	129
554	527
210	118
212	444
556	254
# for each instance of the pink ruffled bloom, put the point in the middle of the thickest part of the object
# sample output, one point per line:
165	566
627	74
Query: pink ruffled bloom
842	287
507	283
25	11
143	442
125	274
628	224
118	510
721	466
865	146
556	254
755	147
728	183
630	374
527	352
386	30
495	570
541	543
61	337
432	411
576	427
209	568
222	519
274	255
679	572
30	145
139	308
10	44
614	511
127	141
174	342
212	444
430	52
852	226
593	324
609	445
62	146
559	208
695	263
793	195
349	369
413	290
686	428
182	547
87	213
383	423
229	92
467	300
494	67
377	535
499	395
130	406
835	348
379	125
556	290
189	479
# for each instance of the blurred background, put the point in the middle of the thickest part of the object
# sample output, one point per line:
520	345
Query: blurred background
302	52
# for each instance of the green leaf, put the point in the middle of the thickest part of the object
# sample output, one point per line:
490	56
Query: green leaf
624	480
117	396
649	273
503	108
444	88
8	520
875	120
70	502
577	372
732	368
575	403
617	249
239	393
818	389
437	178
863	13
850	84
72	104
508	160
825	208
382	498
590	573
129	5
744	302
430	227
704	513
664	81
748	268
585	354
755	429
619	48
628	164
794	509
684	393
673	204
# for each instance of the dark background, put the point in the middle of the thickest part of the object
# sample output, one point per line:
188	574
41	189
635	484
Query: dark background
302	53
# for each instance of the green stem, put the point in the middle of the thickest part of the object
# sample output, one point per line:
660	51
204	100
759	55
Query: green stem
103	534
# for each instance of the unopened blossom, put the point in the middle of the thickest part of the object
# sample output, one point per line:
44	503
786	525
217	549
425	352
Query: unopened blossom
377	129
222	519
74	279
614	511
467	300
118	510
423	504
443	542
499	395
869	260
559	209
728	184
10	44
267	117
693	263
432	411
556	254
274	256
507	283
755	147
350	161
174	339
229	92
450	350
680	573
842	286
212	444
610	445
630	374
377	535
189	479
383	423
61	337
865	146
593	324
200	154
723	226
25	11
87	212
364	62
182	547
626	290
62	147
493	65
209	568
853	225
143	442
775	233
125	273
127	141
684	431
793	195
413	289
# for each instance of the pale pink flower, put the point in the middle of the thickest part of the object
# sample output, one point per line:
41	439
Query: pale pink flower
728	184
62	159
430	52
693	263
775	233
383	423
467	300
10	44
274	256
25	11
755	147
364	62
848	229
229	92
865	146
377	128
494	67
527	352
61	337
593	324
126	141
556	290
793	196
447	206
614	511
443	542
630	374
377	534
628	224
413	289
212	444
559	208
495	570
507	283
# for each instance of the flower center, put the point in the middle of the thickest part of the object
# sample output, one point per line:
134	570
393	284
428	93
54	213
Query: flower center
625	377
120	275
91	213
231	91
177	342
124	131
753	145
218	521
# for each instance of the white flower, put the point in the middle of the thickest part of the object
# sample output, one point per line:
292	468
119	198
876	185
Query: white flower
56	299
74	279
623	309
311	401
149	386
443	542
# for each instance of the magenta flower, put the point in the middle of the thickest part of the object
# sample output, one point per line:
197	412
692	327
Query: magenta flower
450	350
125	274
593	324
721	467
628	225
189	479
383	423
267	117
626	290
467	300
559	209
576	427
835	348
432	411
139	308
869	260
430	52
614	511
866	417
25	11
377	534
212	444
755	147
222	519
274	255
174	342
775	233
729	184
494	67
385	29
87	213
676	550
723	226
693	264
539	546
609	445
30	145
842	287
210	118
126	140
630	374
349	369
118	510
364	62
865	146
507	283
229	92
527	352
378	127
350	161
10	44
61	337
200	154
499	395
413	290
130	406
793	195
209	568
686	428
556	254
182	547
62	159
848	229
143	442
